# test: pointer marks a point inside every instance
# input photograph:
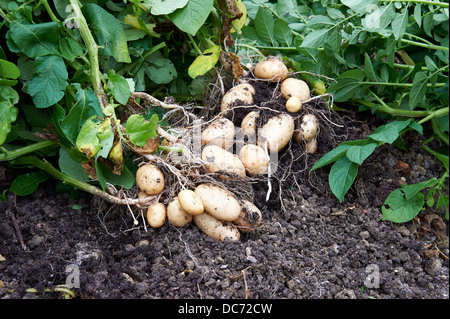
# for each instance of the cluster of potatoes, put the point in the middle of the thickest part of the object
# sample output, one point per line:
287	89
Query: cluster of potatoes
276	133
212	208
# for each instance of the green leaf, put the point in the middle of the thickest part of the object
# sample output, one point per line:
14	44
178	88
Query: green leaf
358	153
400	23
368	68
139	130
418	89
379	18
70	49
49	81
119	87
36	40
160	7
418	14
411	190
107	32
341	177
316	38
205	62
8	113
71	167
360	6
398	209
331	156
344	89
126	179
283	33
191	17
87	105
89	140
8	70
264	25
27	183
160	70
388	133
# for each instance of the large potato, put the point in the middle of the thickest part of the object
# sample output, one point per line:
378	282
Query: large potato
308	129
249	219
272	69
150	179
219	132
254	159
176	215
295	87
190	202
156	215
218	159
248	124
242	92
215	228
277	132
218	202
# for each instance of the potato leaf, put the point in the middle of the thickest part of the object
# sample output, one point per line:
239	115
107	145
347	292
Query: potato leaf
398	209
160	7
205	62
358	153
331	157
191	17
8	113
264	24
341	177
91	136
49	81
140	130
119	87
26	184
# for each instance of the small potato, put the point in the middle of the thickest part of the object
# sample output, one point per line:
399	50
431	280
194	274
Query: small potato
176	215
249	219
277	132
150	179
218	202
295	87
311	146
220	132
243	92
308	128
218	159
190	202
156	215
293	105
254	159
215	228
248	124
272	69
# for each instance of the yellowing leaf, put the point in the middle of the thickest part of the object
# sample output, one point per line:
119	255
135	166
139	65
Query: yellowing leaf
205	62
239	23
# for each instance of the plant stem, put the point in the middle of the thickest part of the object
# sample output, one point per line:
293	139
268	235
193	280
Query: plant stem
425	45
441	4
406	85
10	155
49	11
130	66
440	112
196	48
92	51
392	111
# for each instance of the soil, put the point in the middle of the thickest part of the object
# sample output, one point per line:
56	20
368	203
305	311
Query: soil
309	244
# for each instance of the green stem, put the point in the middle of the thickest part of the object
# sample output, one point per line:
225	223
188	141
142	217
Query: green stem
10	155
425	45
405	85
438	113
49	11
440	4
196	48
92	48
394	112
130	66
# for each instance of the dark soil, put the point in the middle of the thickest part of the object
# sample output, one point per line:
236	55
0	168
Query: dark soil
309	246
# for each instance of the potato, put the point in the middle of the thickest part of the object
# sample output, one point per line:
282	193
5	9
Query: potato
150	179
249	219
243	92
248	124
218	202
219	132
311	146
295	87
254	158
176	215
293	105
218	159
215	228
277	132
308	128
156	215
272	69
190	202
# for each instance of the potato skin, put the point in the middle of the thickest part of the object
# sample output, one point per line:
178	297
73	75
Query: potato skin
218	159
248	124
218	202
254	159
190	202
156	215
272	69
277	132
293	104
176	215
220	132
295	87
308	129
243	92
215	228
150	179
249	219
